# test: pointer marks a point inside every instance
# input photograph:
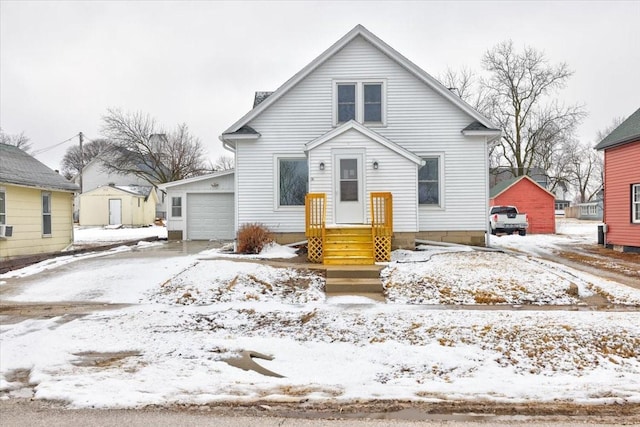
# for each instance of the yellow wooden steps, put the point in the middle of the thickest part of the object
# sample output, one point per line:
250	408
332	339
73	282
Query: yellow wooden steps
348	246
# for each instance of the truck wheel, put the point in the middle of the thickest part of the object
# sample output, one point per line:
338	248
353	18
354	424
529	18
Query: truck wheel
522	232
493	230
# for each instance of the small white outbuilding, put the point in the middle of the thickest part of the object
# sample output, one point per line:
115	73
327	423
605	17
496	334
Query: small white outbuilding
201	208
130	205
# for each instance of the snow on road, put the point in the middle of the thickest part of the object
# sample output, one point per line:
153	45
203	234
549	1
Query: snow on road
193	313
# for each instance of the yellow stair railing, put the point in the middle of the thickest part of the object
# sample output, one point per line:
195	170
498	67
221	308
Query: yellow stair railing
382	225
315	205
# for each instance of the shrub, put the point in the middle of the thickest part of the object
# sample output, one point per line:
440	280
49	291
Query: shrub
252	238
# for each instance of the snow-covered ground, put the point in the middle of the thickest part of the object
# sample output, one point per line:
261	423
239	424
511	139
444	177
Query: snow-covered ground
192	312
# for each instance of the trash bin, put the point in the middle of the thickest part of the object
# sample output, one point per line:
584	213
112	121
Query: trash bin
601	234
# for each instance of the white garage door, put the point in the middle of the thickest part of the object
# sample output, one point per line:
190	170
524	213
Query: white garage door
210	216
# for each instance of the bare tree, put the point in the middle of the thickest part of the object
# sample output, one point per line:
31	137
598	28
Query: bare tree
518	87
223	163
20	140
586	168
466	84
142	148
73	161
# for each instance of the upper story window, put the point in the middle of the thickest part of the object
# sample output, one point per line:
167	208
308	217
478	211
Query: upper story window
635	203
346	102
362	101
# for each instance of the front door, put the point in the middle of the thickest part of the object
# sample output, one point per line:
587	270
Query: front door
115	211
349	189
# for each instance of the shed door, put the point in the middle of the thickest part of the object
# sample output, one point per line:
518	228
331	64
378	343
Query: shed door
115	211
210	216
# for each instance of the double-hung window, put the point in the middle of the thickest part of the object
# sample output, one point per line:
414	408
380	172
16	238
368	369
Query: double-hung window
293	181
46	213
635	203
3	207
429	182
362	101
176	207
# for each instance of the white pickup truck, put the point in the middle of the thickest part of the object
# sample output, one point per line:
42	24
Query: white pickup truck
506	219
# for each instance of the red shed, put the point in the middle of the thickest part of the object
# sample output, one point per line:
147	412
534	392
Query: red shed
622	185
530	198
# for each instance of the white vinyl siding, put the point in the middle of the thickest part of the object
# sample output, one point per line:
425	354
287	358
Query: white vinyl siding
395	174
417	118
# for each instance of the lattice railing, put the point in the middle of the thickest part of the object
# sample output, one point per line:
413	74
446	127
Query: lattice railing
315	205
382	225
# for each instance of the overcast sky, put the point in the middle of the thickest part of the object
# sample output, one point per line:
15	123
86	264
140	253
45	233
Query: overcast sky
62	64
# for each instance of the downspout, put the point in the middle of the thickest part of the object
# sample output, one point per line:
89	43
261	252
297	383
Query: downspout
487	141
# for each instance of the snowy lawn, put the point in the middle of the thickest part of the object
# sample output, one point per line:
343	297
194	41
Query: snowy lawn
192	313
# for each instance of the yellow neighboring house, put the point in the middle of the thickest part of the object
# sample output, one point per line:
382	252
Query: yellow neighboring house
36	206
130	205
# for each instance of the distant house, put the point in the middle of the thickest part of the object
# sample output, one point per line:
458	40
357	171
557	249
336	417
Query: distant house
131	205
95	175
36	206
591	210
530	198
201	208
359	143
622	185
503	173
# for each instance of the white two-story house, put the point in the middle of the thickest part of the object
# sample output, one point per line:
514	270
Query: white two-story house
359	120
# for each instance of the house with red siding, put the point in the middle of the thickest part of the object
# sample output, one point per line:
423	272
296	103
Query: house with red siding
622	185
530	198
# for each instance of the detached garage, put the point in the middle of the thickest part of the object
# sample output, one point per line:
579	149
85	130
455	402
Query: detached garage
530	198
201	208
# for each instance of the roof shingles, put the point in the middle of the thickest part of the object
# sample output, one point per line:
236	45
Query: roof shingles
19	168
628	131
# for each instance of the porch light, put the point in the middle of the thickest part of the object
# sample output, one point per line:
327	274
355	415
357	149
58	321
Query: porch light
375	164
321	166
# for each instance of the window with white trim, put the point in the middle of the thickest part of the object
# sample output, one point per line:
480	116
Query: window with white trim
293	181
635	203
429	182
176	207
3	206
46	213
363	101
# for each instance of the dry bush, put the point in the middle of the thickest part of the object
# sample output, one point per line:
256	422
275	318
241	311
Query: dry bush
252	238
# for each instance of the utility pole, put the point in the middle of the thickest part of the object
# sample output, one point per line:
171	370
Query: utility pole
81	160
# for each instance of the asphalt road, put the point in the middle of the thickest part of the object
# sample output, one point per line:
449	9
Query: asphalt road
16	412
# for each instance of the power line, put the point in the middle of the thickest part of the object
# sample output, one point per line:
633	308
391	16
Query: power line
43	150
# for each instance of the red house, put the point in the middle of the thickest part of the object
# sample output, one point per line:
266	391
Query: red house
622	185
530	198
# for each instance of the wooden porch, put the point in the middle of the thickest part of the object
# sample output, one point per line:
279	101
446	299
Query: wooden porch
352	244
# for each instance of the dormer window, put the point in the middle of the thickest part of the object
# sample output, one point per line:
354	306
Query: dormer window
363	101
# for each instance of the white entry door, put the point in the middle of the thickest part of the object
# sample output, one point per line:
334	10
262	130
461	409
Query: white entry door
115	211
349	189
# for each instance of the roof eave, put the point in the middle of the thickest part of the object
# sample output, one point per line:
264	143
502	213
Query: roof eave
628	140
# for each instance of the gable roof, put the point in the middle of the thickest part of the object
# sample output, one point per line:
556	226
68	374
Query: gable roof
503	186
19	168
196	179
628	131
360	31
352	124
